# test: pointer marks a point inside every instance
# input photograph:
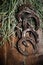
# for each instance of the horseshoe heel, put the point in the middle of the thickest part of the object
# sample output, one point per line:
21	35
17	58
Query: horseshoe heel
24	42
26	12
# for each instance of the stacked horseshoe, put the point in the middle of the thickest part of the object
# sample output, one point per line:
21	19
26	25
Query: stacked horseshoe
28	37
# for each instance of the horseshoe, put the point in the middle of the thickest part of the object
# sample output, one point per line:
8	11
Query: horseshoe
20	27
24	41
33	33
26	11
